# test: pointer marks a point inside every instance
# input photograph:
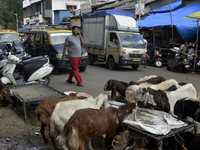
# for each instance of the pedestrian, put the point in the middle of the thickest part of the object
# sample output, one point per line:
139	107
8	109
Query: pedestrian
73	45
150	49
145	42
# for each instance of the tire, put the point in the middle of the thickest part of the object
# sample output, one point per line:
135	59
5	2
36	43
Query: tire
55	71
82	69
135	67
111	64
46	80
158	63
168	68
90	59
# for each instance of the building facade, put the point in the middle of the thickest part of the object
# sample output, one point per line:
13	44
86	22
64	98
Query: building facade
44	12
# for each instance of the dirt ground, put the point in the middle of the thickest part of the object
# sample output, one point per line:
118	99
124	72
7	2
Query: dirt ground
22	136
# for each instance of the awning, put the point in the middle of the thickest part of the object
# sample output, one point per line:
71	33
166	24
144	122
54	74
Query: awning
114	5
103	13
186	27
131	5
194	15
166	8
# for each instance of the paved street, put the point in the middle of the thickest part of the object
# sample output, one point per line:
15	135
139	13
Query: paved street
95	77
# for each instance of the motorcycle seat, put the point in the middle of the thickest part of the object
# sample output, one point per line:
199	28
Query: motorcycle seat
33	64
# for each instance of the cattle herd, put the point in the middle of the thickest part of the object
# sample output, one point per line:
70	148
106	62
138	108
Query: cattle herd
78	117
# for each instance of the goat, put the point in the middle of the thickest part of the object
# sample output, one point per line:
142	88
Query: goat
184	108
191	141
115	86
5	94
64	110
120	141
45	109
132	92
187	90
87	123
155	80
158	98
146	78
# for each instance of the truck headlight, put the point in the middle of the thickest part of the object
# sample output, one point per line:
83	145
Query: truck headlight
59	56
85	54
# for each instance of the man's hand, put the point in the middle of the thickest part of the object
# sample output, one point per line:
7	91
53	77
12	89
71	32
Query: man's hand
79	34
63	57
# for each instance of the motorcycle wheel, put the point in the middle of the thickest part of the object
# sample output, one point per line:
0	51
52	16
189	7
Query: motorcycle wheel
158	63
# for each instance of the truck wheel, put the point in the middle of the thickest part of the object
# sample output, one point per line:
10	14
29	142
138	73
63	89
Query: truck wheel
111	64
135	67
158	63
82	69
91	59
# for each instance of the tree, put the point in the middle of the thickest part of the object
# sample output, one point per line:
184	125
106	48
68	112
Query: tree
8	8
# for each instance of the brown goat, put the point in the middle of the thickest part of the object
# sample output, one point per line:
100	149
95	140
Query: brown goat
5	95
87	123
155	80
159	97
120	141
46	107
115	86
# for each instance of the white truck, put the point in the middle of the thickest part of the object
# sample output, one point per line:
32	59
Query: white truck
114	39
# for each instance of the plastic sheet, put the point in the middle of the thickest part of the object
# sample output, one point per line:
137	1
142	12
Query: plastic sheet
152	121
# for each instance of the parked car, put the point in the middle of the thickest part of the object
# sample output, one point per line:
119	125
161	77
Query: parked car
50	42
10	36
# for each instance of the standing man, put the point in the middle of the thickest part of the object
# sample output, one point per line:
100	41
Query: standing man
73	45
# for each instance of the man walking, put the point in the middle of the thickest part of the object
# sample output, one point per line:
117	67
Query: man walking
73	45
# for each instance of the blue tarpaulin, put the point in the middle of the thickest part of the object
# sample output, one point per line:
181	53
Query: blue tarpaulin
187	28
22	30
166	8
103	13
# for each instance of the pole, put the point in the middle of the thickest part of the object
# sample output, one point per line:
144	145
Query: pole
139	14
171	23
196	44
17	21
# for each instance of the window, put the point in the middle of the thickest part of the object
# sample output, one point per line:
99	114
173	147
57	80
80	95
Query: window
37	38
45	39
69	7
113	39
31	37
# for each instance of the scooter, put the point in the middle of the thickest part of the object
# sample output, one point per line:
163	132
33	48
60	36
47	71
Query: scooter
157	61
36	70
175	62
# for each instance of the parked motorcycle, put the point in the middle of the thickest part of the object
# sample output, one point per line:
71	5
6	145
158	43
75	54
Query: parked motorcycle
156	60
36	70
175	62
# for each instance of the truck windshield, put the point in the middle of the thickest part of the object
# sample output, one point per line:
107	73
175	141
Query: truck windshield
4	38
132	40
58	38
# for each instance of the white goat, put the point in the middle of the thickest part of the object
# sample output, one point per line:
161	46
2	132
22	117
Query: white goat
187	91
146	78
64	110
161	86
132	93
